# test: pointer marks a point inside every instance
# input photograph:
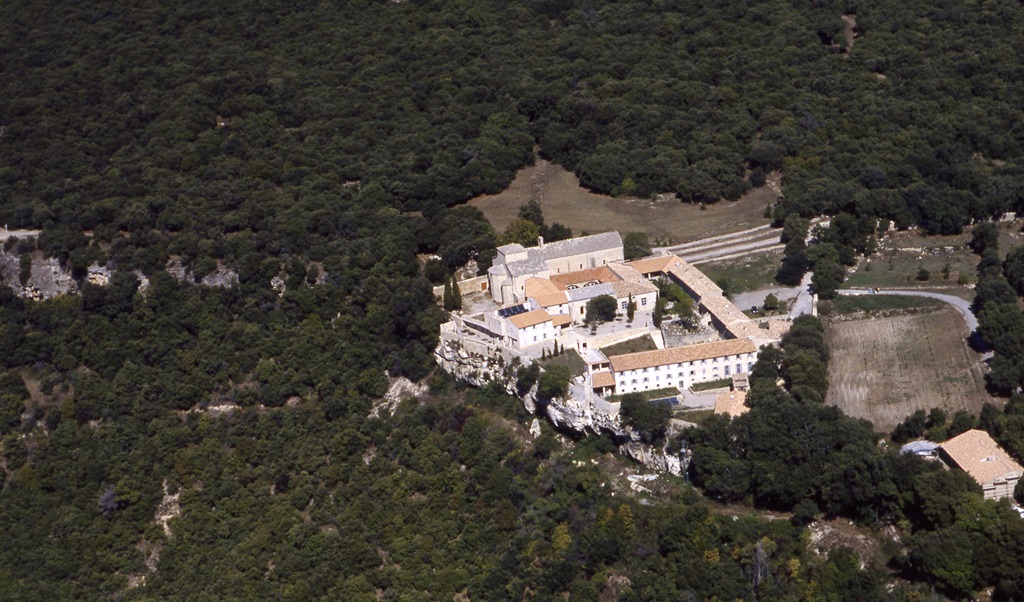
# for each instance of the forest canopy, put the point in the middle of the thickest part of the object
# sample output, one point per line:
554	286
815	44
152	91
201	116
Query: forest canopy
330	146
197	122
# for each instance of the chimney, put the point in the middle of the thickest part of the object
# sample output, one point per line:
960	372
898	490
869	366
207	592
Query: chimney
540	242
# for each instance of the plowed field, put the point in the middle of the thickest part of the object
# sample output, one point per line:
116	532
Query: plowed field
884	369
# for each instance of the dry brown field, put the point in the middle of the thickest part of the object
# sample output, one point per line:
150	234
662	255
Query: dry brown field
885	368
564	201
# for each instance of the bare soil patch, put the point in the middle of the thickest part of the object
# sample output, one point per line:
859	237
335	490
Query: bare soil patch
849	25
885	368
563	200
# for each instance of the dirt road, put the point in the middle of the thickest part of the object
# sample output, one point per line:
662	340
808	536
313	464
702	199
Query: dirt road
5	233
961	305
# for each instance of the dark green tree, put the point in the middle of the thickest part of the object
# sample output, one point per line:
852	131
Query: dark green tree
601	308
636	245
648	419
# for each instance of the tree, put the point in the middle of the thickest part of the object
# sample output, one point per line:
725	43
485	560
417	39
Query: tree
659	312
649	420
984	236
532	212
771	302
553	382
1013	267
520	231
448	300
827	277
630	309
912	427
456	295
636	245
601	308
794	260
25	272
434	271
556	232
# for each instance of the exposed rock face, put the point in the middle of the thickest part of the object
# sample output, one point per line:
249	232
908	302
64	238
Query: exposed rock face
47	280
399	389
178	271
221	277
577	412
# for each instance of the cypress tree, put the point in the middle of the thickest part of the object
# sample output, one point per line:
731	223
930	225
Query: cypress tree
456	294
448	301
630	309
659	312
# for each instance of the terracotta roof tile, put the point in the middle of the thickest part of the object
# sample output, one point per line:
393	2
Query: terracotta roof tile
530	318
978	455
603	379
600	274
651	265
539	286
731	403
561	320
633	287
678	355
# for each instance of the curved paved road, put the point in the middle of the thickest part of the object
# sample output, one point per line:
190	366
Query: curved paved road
964	307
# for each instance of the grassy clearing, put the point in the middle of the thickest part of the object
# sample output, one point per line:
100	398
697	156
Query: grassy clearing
870	303
563	200
746	274
570	359
644	343
712	384
649	395
694	416
901	255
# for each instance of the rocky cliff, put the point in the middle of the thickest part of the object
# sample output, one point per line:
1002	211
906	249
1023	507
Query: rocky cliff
478	364
46	277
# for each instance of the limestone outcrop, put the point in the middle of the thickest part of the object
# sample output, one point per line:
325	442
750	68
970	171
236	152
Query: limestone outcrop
46	280
577	412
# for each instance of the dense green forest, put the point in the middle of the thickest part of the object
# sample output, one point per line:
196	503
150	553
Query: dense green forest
329	143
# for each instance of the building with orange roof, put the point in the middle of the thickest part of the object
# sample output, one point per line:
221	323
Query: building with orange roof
977	454
514	264
682	367
731	403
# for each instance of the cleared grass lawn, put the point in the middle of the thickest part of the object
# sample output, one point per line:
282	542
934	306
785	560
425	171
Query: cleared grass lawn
644	343
885	368
694	416
648	395
752	273
849	305
570	359
564	201
712	384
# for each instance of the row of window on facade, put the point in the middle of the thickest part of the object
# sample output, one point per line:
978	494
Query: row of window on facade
704	372
643	303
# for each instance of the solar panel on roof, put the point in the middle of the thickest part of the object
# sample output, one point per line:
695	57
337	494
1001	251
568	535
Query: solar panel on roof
515	310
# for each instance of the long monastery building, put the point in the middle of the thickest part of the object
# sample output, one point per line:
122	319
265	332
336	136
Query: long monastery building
543	292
